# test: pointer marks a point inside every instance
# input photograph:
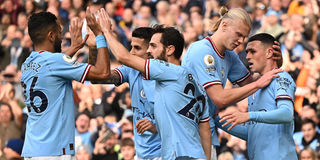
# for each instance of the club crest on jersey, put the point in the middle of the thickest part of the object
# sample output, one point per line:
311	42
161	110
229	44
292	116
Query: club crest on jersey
68	59
142	94
208	60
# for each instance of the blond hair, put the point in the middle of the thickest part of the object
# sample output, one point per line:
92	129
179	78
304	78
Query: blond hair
234	13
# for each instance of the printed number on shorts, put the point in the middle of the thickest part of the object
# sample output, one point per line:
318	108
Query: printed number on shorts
33	94
186	110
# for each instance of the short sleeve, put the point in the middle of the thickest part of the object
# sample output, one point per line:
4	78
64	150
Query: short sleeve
156	69
63	66
123	72
238	71
284	87
202	64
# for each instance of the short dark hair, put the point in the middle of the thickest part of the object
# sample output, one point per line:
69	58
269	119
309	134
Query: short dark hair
306	121
40	24
265	38
171	36
143	33
126	142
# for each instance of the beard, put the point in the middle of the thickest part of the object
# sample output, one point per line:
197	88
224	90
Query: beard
162	56
57	45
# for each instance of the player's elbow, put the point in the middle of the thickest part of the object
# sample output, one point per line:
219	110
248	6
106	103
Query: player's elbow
106	74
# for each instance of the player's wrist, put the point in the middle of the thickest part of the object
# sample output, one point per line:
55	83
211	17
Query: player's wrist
101	41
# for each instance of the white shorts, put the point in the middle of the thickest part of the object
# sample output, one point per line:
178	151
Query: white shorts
62	157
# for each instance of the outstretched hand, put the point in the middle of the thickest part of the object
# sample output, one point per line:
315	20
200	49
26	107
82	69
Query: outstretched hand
104	20
267	78
76	35
92	23
234	117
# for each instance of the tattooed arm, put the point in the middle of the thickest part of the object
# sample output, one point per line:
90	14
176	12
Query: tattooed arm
113	79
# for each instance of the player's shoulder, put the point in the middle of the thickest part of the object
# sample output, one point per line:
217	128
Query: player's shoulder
284	77
202	47
166	65
124	68
285	74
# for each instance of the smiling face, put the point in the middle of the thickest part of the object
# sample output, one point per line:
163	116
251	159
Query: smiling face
256	56
308	131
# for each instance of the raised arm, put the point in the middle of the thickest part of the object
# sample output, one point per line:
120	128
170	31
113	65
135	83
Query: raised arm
101	69
118	50
114	78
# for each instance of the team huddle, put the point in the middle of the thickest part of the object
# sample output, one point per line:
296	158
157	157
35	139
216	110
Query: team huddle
175	104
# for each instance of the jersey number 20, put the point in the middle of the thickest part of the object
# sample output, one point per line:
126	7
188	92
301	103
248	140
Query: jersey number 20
33	94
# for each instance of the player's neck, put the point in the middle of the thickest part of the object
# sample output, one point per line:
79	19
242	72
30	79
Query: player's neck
217	41
173	60
44	47
270	65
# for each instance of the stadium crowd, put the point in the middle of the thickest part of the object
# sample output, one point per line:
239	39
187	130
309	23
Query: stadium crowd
101	109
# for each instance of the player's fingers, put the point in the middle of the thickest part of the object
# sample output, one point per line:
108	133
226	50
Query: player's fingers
139	123
234	124
144	128
225	124
225	118
277	70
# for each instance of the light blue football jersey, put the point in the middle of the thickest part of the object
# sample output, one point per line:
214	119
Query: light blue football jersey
271	141
211	68
47	82
148	145
180	105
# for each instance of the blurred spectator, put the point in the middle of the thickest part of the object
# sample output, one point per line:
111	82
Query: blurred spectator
10	125
274	8
82	134
13	149
311	138
86	103
127	149
110	101
106	147
5	22
308	154
127	105
22	21
270	25
29	7
11	7
83	152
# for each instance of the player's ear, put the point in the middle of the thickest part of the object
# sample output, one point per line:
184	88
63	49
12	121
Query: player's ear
224	24
51	36
269	53
170	50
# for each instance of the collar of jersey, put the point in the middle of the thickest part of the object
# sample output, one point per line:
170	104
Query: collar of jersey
214	47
